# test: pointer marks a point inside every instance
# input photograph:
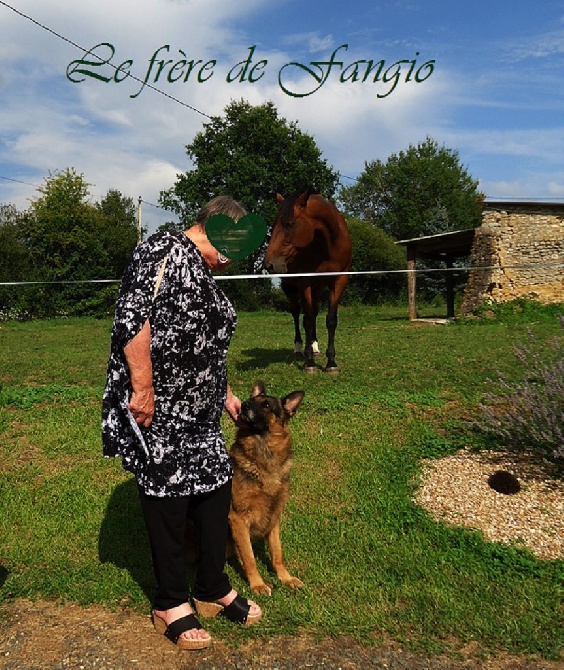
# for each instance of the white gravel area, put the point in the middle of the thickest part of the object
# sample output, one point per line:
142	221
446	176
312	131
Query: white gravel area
455	490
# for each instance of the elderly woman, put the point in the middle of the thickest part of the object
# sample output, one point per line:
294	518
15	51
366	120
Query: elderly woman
165	393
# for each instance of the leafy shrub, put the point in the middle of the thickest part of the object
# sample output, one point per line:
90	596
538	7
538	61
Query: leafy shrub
528	413
372	250
95	301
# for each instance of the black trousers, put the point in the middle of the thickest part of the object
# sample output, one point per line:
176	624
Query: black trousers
166	521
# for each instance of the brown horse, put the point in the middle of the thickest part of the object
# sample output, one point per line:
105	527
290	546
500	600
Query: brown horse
309	236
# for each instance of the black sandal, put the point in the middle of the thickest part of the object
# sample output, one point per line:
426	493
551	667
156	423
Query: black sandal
173	631
237	610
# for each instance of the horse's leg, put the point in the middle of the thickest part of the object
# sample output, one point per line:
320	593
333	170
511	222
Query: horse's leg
293	295
331	321
315	298
310	309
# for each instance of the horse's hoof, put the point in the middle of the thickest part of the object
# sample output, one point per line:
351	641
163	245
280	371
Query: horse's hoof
333	370
310	369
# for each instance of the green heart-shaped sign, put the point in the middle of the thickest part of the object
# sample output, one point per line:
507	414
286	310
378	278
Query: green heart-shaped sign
236	239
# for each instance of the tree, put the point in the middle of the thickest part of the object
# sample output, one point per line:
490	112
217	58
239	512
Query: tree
120	232
366	200
64	234
250	153
64	231
14	259
62	241
421	191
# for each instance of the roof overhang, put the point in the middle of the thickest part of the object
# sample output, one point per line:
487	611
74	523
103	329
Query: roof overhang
456	243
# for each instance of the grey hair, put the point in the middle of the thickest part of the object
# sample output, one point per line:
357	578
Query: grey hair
221	204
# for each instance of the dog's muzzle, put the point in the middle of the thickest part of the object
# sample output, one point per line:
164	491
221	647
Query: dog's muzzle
247	414
254	419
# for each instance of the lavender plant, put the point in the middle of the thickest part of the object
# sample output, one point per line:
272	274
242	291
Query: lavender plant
528	413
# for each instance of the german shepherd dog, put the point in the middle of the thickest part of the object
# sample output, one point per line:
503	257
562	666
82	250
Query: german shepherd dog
262	458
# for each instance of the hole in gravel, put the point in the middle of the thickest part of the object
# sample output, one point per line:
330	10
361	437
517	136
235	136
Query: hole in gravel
504	481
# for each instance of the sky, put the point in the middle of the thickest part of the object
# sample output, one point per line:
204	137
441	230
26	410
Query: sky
105	87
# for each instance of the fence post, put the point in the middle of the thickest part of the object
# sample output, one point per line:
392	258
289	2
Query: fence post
411	282
139	228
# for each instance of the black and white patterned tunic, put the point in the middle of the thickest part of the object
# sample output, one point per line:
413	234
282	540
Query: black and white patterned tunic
183	451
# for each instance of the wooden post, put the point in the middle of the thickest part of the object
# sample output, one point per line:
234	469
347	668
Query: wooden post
449	288
139	228
411	282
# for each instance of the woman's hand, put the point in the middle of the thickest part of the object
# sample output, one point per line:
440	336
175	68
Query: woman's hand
142	406
233	405
138	355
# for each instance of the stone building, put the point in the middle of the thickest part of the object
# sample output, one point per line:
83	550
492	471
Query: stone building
517	252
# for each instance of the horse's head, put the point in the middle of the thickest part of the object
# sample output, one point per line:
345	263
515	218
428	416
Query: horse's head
294	230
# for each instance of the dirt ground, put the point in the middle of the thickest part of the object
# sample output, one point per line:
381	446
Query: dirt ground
44	635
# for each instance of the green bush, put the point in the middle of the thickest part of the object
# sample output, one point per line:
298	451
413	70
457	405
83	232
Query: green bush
373	250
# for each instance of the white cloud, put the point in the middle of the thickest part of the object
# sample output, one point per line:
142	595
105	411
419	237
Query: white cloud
544	145
556	188
539	46
526	188
311	42
353	125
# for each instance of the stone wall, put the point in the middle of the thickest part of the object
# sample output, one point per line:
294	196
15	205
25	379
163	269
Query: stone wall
521	243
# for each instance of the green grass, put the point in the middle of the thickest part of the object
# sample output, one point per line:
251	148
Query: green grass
375	565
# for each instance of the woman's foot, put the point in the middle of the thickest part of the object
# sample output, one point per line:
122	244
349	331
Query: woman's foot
167	622
255	611
232	606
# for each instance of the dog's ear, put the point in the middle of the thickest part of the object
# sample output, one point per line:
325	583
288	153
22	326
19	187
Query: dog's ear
292	401
258	389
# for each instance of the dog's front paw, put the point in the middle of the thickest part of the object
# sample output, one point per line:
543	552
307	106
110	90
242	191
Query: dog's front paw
293	583
261	588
